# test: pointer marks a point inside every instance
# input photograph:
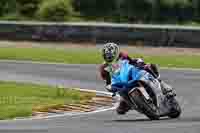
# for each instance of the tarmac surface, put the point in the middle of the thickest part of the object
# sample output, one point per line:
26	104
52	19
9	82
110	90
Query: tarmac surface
186	83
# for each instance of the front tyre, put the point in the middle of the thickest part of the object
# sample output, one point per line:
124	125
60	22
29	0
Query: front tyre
147	107
175	109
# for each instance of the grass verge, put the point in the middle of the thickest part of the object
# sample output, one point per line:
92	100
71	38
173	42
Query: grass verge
91	56
20	100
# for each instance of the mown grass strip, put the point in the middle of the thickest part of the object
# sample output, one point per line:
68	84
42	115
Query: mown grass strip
91	56
72	56
20	100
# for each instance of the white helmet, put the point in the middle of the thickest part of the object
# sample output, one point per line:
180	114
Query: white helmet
110	52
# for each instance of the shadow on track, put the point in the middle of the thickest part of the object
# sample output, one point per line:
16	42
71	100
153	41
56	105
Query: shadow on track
138	120
163	120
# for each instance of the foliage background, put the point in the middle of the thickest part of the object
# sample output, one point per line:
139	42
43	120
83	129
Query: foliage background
131	11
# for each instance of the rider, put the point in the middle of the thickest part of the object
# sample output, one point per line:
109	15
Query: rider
112	55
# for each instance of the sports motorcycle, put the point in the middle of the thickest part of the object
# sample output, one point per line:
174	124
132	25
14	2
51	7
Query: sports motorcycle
143	92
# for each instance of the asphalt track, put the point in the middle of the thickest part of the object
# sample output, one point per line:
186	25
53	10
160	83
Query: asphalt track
187	84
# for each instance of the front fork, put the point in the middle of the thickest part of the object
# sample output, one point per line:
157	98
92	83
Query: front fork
160	98
141	91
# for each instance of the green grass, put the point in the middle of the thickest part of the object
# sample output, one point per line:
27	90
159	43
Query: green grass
91	56
180	61
20	100
51	55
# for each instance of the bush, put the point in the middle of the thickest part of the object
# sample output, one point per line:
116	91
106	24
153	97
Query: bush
55	10
12	17
2	4
95	8
7	6
134	10
27	8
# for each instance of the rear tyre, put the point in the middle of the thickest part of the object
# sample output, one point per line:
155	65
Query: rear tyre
147	107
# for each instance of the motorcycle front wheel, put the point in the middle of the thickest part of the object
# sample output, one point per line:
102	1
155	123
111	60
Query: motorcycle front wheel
175	110
148	108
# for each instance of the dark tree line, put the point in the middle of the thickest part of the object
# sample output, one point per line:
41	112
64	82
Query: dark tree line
134	11
141	10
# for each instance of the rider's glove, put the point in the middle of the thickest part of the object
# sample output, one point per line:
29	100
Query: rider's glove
147	67
139	60
109	88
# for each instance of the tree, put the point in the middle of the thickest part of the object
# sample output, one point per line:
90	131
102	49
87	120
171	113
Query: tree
55	10
136	9
27	8
196	7
95	8
155	9
7	6
172	3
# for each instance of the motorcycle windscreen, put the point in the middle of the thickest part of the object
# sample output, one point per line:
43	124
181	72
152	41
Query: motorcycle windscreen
123	74
138	74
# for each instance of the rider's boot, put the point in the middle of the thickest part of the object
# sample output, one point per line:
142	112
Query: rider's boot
123	107
167	89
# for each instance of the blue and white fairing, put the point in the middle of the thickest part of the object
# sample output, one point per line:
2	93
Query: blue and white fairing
123	79
127	75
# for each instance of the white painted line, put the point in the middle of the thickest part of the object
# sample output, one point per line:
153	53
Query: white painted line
94	91
33	62
75	114
84	113
52	63
182	69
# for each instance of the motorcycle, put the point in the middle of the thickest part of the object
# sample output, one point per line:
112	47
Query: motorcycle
143	92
